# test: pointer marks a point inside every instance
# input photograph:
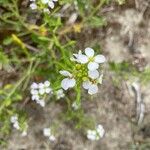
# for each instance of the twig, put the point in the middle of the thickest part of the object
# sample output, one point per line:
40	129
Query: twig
31	47
140	106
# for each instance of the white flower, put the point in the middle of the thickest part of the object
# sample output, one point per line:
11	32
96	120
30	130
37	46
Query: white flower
47	88
35	97
93	61
68	82
51	4
46	3
46	10
44	88
41	88
94	74
75	106
33	6
52	138
80	58
91	135
34	92
96	134
100	130
38	90
41	102
16	125
24	133
34	85
47	133
15	122
60	94
92	86
14	119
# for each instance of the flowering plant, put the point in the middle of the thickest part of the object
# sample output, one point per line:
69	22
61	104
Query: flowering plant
84	74
41	59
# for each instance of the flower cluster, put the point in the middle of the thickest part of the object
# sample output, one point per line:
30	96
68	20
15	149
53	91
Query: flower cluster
43	5
86	71
15	122
47	133
60	94
39	91
96	134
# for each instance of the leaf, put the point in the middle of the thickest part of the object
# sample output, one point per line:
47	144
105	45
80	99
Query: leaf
4	61
96	21
7	40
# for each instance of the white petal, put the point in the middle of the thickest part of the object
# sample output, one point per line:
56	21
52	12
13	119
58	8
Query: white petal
34	85
93	74
93	89
52	138
100	79
80	58
34	92
42	91
16	125
100	130
35	97
89	52
79	53
83	59
51	4
47	83
100	59
60	94
86	84
93	66
41	85
64	84
42	103
67	83
44	1
46	10
24	133
33	6
65	73
71	83
14	119
75	106
91	135
47	132
48	90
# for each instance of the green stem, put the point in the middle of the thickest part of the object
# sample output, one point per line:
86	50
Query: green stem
78	98
15	87
102	2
